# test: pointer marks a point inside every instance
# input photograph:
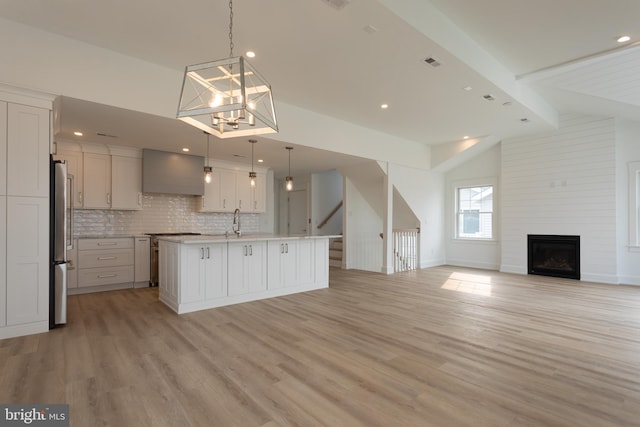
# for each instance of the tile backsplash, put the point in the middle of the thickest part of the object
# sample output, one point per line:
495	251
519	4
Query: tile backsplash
161	213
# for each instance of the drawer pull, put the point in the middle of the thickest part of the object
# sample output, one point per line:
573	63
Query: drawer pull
107	243
103	258
104	276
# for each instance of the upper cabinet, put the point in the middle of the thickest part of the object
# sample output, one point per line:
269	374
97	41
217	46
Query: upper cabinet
97	181
230	188
28	148
105	177
126	183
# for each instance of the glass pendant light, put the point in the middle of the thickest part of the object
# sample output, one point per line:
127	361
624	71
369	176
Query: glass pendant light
208	170
252	174
289	179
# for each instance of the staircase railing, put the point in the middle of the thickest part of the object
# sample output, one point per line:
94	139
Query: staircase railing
331	214
405	249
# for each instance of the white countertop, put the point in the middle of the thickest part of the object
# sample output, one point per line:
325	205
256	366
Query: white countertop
221	238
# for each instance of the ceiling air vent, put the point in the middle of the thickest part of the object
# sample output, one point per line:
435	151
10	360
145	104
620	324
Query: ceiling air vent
106	135
433	61
337	4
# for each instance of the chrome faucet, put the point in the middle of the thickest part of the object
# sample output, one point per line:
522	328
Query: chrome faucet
236	222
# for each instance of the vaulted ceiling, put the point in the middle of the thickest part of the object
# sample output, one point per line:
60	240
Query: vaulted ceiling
506	67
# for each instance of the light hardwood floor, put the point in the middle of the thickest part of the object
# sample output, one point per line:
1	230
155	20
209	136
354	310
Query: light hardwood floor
437	347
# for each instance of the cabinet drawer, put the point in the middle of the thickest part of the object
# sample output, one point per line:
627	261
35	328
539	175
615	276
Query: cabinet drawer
108	243
104	276
105	258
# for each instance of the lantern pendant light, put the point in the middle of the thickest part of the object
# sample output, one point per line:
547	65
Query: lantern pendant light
228	97
289	179
252	174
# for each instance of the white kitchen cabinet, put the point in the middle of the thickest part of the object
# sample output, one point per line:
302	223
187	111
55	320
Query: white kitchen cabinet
169	266
203	270
142	261
74	167
291	263
27	297
27	151
247	267
3	261
192	277
230	188
126	183
220	193
259	194
251	199
105	264
96	180
24	212
3	148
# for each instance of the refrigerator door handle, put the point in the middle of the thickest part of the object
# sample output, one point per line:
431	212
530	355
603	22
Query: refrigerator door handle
71	229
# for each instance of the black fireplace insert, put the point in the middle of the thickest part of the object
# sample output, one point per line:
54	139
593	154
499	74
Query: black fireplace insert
553	255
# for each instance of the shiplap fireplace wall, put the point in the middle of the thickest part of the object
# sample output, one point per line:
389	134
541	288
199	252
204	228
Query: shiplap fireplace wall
563	182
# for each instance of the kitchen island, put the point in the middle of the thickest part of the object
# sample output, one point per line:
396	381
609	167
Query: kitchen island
201	272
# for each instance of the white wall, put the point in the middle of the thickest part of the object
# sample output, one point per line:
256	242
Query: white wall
469	253
423	191
562	182
326	194
627	150
363	212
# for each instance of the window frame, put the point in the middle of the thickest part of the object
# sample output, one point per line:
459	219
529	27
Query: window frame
634	206
476	183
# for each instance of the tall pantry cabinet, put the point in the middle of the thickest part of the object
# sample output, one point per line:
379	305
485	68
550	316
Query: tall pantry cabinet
25	138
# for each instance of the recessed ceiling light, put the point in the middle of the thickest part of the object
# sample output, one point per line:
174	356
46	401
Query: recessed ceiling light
260	161
465	137
78	133
623	39
384	106
185	149
251	54
467	88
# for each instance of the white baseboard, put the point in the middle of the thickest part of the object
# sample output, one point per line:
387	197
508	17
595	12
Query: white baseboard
26	329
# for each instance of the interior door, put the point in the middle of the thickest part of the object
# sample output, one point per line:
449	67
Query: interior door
298	212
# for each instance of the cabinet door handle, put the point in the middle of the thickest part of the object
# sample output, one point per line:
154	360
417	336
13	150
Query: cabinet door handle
244	250
255	205
250	250
108	198
224	203
80	201
104	276
286	245
201	253
281	248
208	254
107	243
104	258
240	204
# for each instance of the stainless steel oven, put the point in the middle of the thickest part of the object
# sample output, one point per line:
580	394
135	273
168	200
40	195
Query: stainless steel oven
154	252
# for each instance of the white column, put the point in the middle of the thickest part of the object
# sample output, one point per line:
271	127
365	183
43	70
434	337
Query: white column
387	240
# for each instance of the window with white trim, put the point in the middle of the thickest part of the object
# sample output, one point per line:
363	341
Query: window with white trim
474	212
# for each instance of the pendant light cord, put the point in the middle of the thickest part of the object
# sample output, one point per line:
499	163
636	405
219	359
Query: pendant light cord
230	28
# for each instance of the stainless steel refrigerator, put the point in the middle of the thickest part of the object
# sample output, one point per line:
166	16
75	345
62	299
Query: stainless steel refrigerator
61	239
